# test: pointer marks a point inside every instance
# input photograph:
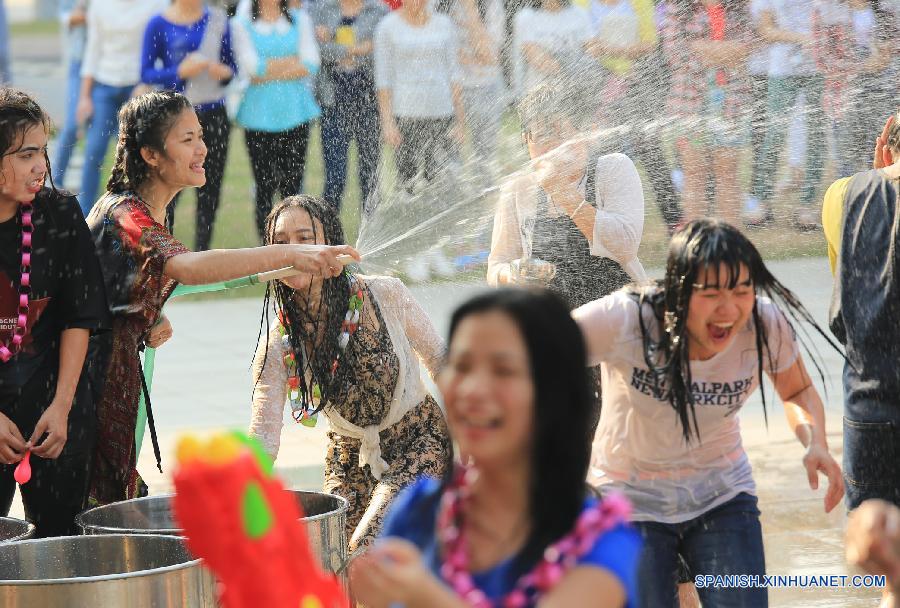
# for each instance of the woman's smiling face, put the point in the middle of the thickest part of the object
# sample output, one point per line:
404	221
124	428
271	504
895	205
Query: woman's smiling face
24	167
720	306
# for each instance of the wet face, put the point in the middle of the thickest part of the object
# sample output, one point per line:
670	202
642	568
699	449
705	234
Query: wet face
488	390
181	166
716	312
24	167
548	135
296	227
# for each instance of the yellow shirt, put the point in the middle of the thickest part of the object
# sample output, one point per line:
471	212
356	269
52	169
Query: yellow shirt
832	213
646	22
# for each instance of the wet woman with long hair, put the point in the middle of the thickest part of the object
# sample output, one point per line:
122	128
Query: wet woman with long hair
517	525
159	153
349	348
679	359
51	299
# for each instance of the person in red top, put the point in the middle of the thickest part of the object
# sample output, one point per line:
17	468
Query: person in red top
160	152
706	43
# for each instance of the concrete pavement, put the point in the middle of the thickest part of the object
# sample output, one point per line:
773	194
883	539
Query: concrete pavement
202	384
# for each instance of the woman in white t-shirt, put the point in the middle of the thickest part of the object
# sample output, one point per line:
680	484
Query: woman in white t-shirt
678	360
548	40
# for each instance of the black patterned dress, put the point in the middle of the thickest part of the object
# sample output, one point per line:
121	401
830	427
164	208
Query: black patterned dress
383	354
133	249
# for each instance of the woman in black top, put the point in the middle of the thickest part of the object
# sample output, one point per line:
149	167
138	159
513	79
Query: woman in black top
51	298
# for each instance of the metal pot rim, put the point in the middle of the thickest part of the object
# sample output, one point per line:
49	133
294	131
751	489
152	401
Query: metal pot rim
343	506
102	577
29	530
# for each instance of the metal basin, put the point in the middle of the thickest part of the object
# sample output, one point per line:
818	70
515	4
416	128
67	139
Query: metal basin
12	529
326	518
138	571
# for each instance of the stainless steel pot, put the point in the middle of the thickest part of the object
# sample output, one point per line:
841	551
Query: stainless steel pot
137	571
12	529
325	519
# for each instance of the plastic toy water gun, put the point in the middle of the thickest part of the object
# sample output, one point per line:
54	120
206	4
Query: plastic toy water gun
238	517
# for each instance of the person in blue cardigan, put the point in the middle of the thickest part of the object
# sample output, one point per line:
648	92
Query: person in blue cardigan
516	525
276	50
187	49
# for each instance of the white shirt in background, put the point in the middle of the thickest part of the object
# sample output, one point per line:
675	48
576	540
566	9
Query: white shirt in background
615	24
793	16
639	448
245	54
561	33
115	38
473	74
418	65
758	60
618	226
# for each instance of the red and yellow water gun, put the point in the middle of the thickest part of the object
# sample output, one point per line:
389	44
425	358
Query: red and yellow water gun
238	517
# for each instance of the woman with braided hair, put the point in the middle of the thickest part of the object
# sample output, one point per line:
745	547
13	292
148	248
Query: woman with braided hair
679	359
349	348
159	153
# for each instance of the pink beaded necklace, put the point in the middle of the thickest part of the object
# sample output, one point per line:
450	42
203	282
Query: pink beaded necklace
558	557
9	349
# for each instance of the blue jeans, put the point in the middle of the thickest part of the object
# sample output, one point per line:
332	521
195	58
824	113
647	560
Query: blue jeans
5	75
782	94
68	136
724	540
354	115
871	450
107	101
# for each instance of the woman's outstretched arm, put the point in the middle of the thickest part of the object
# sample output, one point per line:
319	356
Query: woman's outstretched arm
197	267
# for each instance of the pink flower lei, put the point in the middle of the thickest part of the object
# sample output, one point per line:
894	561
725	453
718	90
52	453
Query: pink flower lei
11	348
558	557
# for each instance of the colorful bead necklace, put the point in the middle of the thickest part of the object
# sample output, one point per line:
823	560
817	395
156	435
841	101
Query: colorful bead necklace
558	557
9	349
302	407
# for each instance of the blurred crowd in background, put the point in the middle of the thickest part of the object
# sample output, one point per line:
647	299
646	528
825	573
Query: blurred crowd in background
726	105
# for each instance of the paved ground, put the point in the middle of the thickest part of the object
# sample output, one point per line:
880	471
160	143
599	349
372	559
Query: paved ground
202	384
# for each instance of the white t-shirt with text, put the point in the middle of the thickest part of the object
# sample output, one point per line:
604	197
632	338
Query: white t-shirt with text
639	448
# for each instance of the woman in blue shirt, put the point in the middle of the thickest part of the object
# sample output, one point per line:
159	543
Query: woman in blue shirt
188	49
517	526
276	49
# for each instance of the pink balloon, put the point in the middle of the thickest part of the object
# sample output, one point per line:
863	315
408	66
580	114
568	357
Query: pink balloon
22	474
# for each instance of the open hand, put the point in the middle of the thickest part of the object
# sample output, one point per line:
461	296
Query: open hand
323	34
393	572
160	333
191	66
883	157
84	110
77	17
54	422
819	460
220	71
391	133
873	539
561	168
12	444
321	260
458	133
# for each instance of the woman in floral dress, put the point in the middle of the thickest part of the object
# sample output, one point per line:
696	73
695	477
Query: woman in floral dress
160	152
350	348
